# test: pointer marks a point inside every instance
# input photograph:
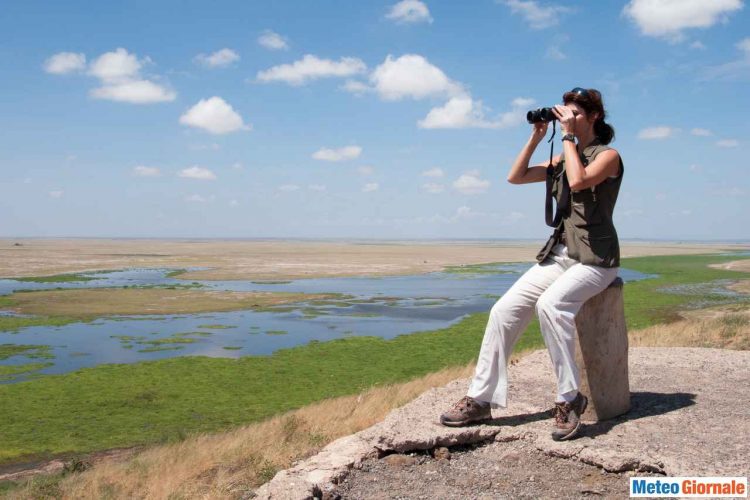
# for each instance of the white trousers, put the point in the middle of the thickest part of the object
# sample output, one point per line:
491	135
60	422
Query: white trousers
557	287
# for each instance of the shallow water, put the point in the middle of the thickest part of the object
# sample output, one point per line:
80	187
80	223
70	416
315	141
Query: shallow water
378	306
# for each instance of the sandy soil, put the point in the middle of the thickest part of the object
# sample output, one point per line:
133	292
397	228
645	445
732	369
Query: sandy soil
275	259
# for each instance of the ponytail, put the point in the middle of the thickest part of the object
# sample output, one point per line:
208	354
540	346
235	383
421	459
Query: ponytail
604	131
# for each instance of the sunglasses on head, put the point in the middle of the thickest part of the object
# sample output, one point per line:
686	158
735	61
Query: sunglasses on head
581	91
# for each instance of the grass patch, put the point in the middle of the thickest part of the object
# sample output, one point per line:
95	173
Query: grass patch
92	408
9	372
216	327
61	307
232	347
487	268
276	332
30	351
58	278
162	348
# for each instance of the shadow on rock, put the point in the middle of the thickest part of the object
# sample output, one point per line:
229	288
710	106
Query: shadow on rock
643	404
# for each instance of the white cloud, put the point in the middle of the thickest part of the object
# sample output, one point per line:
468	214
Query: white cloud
669	18
233	203
134	92
238	165
56	194
538	16
470	183
697	45
205	147
433	188
411	75
365	170
695	168
196	172
115	66
196	198
732	70
310	68
409	11
554	52
316	187
464	112
370	187
744	45
119	74
143	171
219	59
215	116
273	41
288	188
434	172
728	143
63	63
340	154
355	87
702	132
660	132
660	196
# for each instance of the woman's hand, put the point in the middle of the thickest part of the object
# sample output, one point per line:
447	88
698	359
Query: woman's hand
566	117
539	131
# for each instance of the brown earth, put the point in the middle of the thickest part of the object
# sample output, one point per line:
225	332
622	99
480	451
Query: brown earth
264	260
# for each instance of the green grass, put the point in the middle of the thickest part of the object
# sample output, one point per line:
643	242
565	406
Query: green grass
158	401
487	268
30	351
15	323
215	327
9	372
58	278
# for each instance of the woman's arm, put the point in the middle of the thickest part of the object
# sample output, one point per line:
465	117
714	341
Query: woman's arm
606	164
520	172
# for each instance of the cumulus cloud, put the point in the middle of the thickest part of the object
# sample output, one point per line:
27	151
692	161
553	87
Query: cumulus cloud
669	18
365	170
411	75
56	194
310	68
470	183
196	198
434	172
63	63
409	11
196	172
702	132
355	87
697	45
272	41
433	188
727	143
134	92
660	132
215	116
370	187
219	59
340	154
465	112
119	73
143	171
537	16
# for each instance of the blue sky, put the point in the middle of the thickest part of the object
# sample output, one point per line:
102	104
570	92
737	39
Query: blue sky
361	119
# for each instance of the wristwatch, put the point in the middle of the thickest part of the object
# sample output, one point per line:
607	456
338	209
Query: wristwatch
569	137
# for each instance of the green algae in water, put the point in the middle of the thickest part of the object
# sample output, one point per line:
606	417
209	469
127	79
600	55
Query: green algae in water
216	327
276	332
161	348
30	351
58	278
232	347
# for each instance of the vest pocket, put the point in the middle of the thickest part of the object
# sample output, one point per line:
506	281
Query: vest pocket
601	246
584	213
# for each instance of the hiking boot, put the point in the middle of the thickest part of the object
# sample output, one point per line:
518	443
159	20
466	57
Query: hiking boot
568	418
465	411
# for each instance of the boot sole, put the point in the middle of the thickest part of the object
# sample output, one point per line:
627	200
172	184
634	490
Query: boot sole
573	433
462	423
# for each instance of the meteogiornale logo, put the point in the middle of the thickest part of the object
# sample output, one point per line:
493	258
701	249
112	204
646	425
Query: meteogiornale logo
692	487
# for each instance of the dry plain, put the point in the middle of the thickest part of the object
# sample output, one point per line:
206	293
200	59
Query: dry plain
277	259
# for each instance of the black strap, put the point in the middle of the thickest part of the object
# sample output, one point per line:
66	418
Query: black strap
564	204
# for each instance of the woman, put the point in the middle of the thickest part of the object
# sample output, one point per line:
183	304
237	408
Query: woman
580	260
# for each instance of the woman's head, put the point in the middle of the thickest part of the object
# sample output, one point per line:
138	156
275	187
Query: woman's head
589	101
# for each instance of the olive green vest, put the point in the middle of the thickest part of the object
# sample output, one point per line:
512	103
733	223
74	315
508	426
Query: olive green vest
590	235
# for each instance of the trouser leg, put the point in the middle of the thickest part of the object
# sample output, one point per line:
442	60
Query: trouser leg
508	319
557	308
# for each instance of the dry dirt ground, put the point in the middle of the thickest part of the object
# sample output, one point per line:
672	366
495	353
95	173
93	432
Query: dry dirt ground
232	259
689	417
